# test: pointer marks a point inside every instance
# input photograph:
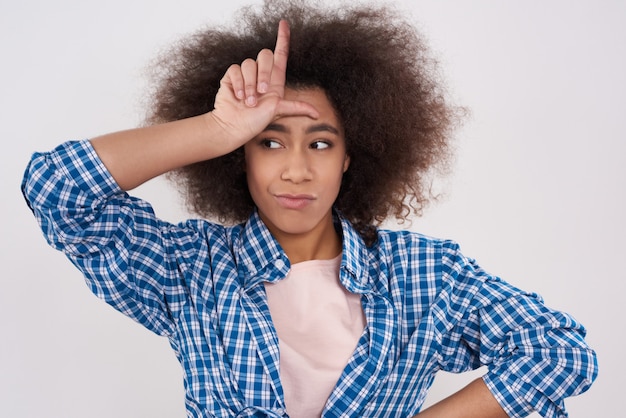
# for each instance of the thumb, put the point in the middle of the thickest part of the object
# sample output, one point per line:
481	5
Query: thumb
295	108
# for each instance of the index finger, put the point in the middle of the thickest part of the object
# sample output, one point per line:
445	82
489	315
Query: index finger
281	52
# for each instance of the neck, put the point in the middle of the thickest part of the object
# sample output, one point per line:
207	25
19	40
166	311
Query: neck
321	243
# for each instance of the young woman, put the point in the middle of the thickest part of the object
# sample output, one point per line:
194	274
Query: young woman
296	303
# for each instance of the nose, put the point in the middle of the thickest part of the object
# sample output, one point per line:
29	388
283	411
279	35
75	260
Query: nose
296	167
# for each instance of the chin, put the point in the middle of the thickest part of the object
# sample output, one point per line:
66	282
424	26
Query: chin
295	223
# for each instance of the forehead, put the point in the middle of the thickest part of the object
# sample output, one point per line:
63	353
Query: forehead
318	99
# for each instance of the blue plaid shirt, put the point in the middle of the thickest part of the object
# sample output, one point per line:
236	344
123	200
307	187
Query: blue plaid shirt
428	307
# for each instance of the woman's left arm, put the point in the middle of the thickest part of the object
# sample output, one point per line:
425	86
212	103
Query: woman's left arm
473	401
535	356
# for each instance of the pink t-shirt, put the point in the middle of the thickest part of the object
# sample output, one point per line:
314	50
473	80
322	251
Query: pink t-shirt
319	324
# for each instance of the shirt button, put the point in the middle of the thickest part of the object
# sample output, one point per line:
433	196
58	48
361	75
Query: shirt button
280	264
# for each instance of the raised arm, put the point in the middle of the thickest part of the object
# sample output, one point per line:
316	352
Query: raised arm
251	95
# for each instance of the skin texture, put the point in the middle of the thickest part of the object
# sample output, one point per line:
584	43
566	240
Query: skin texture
251	97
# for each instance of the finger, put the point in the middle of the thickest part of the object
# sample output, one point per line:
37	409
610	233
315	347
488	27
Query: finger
281	53
234	79
264	62
249	71
296	108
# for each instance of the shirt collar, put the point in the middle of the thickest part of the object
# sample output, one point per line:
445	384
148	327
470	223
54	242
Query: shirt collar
261	258
354	273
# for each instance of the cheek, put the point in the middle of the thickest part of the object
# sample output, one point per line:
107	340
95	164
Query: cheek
253	180
333	177
250	176
252	168
259	176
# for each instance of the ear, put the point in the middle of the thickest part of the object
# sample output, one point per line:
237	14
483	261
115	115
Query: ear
346	163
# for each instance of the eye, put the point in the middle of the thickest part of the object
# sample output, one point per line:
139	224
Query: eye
270	143
320	145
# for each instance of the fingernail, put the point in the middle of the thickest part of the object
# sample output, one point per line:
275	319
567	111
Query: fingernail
263	88
240	94
251	101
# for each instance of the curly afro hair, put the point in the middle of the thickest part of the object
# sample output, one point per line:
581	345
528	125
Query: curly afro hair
375	69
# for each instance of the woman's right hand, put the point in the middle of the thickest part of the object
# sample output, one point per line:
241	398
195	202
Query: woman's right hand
250	97
251	94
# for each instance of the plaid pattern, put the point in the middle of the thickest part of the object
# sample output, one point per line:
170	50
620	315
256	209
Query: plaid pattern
428	308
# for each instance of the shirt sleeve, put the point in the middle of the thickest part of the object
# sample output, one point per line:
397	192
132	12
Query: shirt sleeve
128	256
535	356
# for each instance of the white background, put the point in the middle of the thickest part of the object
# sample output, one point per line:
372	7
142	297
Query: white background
537	194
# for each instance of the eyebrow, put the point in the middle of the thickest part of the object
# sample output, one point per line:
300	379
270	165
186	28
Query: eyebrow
318	127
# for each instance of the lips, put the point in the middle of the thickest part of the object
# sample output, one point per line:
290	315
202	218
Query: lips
297	201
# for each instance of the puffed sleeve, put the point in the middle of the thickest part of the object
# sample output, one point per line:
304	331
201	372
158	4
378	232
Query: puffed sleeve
125	253
535	356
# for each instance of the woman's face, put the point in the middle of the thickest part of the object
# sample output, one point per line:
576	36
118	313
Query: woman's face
294	167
